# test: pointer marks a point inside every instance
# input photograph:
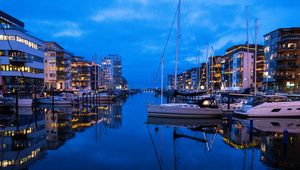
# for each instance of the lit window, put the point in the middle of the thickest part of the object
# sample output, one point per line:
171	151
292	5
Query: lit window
292	45
267	49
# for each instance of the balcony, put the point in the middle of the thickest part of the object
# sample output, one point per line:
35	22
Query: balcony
66	77
284	77
287	67
293	48
62	72
284	57
20	59
289	37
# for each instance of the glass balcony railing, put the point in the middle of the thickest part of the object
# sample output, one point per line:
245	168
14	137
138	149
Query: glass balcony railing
20	59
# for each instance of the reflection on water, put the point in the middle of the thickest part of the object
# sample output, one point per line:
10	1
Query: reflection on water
273	142
26	137
22	139
121	136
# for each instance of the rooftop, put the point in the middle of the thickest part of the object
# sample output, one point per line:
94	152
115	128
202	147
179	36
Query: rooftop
11	20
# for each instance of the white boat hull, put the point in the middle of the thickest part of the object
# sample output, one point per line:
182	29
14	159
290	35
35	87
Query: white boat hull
163	111
275	109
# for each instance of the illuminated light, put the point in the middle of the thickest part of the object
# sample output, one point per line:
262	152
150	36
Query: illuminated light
206	103
263	148
267	49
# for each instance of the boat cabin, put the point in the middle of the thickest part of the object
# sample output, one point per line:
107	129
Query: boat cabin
257	100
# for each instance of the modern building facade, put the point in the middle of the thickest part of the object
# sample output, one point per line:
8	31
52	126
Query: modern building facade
81	73
192	79
85	75
282	51
57	67
238	66
21	58
215	72
96	76
112	72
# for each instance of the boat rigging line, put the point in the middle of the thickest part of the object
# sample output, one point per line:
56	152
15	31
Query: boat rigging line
155	150
161	64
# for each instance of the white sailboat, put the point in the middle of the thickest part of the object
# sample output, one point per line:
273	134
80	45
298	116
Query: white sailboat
184	110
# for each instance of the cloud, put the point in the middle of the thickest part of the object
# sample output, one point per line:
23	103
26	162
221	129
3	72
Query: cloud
68	33
218	2
192	59
59	28
119	14
69	29
151	48
142	2
234	37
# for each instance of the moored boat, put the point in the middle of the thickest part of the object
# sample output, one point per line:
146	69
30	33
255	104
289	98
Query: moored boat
269	106
183	110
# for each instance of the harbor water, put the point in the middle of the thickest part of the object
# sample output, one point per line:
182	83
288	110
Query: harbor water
120	135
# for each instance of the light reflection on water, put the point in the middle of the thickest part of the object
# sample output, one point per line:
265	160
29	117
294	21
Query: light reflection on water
121	136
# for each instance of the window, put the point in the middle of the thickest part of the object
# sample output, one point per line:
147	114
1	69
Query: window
12	38
276	110
267	38
267	49
292	45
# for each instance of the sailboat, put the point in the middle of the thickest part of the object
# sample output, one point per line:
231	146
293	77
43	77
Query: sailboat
206	109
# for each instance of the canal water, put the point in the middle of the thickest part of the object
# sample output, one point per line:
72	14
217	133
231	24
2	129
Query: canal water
121	136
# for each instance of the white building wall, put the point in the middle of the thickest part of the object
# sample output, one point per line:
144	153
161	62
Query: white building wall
22	47
247	70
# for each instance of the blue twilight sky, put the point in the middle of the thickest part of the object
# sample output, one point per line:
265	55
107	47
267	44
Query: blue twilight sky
138	29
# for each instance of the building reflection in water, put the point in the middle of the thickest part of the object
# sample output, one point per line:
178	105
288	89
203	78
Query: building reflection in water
23	138
64	122
26	137
193	130
58	126
277	141
237	135
280	142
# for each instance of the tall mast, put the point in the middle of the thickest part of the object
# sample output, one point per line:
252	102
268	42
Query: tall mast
95	73
212	69
162	81
206	68
247	35
255	57
177	46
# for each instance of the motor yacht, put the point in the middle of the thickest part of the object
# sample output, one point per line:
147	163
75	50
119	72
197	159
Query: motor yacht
269	106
